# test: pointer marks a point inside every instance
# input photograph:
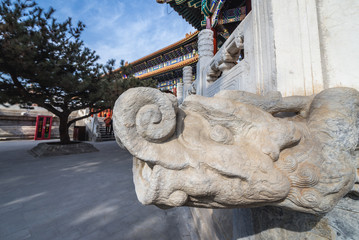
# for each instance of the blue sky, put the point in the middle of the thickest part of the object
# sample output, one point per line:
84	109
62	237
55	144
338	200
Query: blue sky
122	29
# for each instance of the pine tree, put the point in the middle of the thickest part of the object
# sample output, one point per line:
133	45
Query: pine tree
45	62
122	79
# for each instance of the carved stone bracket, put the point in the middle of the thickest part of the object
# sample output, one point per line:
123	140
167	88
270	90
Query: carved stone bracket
227	57
237	149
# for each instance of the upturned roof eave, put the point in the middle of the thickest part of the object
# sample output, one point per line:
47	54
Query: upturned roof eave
165	49
191	15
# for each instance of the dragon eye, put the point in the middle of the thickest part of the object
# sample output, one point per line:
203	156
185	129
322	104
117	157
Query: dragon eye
221	134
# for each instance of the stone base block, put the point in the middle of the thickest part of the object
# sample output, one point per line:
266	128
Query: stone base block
56	149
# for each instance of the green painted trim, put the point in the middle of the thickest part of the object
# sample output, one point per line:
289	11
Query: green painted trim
213	5
214	18
194	3
204	22
178	2
205	8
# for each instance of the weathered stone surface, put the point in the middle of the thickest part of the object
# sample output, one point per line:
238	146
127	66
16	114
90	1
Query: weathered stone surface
274	223
277	223
56	149
214	224
230	151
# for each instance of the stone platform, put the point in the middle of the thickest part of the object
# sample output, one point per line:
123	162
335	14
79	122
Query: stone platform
86	196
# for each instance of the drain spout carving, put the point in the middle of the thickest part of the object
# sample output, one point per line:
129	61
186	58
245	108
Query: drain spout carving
238	150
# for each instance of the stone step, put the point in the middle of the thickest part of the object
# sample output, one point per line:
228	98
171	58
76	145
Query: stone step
106	137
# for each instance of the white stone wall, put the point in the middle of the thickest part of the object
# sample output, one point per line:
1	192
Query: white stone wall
297	51
339	42
295	47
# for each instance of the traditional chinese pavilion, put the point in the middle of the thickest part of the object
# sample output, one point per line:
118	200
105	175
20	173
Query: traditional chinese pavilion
165	65
221	16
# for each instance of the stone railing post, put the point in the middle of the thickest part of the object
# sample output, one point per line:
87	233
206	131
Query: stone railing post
187	80
205	52
179	92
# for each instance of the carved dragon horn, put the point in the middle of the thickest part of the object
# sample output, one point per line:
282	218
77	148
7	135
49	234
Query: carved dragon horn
142	118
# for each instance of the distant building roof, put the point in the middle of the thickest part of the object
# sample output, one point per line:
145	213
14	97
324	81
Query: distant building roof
173	46
169	68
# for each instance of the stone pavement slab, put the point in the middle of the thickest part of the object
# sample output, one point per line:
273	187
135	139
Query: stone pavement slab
81	196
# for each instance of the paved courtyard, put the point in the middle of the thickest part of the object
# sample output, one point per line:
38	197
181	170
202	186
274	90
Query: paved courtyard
84	196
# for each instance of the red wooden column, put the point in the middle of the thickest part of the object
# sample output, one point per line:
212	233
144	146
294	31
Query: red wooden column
209	26
248	6
214	41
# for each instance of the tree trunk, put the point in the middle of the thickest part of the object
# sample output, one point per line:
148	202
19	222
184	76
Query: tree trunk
64	129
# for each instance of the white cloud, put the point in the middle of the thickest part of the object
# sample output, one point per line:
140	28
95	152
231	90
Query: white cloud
124	29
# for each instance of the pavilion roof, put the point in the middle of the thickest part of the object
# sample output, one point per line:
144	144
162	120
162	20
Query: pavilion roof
191	10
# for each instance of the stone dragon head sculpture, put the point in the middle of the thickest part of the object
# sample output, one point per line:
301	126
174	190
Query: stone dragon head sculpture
237	150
